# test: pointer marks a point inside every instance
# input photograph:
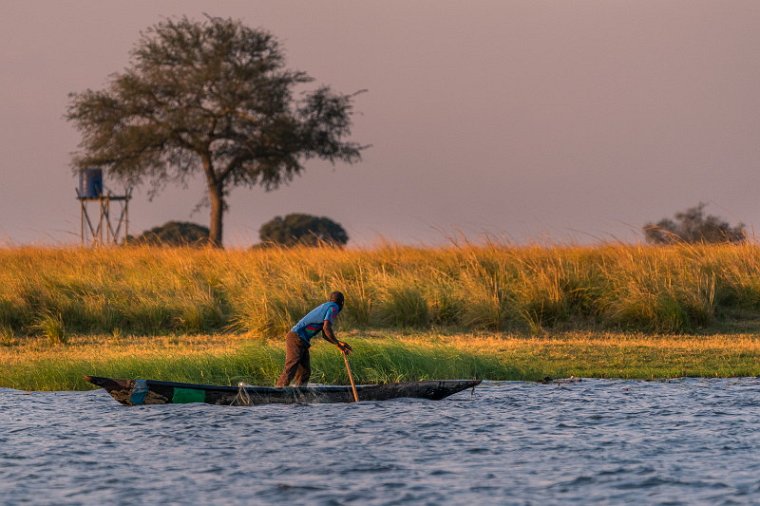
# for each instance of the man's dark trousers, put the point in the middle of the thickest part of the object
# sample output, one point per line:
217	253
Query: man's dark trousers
297	362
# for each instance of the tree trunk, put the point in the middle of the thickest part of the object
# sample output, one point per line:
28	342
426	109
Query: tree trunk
216	199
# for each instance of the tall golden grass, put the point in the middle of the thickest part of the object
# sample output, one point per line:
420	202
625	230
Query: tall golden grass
155	291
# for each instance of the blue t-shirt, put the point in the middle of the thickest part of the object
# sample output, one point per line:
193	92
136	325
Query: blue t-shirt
311	324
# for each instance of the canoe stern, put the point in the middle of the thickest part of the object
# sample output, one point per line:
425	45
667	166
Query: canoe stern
129	392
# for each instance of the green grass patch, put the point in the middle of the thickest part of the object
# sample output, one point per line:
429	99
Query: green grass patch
36	364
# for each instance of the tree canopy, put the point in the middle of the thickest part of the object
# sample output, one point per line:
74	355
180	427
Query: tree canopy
693	226
211	97
172	233
302	230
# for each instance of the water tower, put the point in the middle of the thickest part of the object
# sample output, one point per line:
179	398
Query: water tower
101	226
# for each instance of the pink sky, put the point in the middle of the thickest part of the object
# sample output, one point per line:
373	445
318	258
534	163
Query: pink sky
529	120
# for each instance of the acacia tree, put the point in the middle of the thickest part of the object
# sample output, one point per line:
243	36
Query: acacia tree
212	97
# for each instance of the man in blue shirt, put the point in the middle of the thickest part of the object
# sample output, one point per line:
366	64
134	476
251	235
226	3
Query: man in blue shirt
298	340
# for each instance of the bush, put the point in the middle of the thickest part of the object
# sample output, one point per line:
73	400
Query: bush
692	226
173	233
302	230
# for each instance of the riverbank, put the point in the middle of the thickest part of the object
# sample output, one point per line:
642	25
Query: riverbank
38	364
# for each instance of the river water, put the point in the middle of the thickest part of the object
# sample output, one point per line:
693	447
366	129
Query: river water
685	441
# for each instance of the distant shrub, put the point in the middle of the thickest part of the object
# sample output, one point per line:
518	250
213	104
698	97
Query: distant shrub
302	230
173	233
692	226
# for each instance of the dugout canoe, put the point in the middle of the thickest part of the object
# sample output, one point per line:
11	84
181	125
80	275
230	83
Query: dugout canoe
133	392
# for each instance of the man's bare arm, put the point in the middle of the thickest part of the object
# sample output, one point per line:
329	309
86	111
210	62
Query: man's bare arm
329	335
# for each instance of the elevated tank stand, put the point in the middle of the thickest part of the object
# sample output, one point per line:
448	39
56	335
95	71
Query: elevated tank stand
105	231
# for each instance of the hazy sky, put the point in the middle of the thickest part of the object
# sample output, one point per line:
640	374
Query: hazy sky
529	120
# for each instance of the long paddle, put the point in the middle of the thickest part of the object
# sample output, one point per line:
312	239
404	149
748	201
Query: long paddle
350	377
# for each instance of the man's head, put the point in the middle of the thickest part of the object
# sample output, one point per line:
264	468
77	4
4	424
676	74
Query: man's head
338	298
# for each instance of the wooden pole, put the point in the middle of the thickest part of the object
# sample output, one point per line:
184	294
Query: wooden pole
350	377
109	235
128	193
81	212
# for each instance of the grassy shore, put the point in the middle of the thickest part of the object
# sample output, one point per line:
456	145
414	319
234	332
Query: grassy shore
144	291
491	311
36	364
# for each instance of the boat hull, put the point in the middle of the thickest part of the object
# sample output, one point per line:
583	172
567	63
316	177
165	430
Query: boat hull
137	392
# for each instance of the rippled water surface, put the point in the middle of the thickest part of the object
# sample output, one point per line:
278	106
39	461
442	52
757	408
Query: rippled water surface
684	441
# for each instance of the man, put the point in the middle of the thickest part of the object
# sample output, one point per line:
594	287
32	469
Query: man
298	340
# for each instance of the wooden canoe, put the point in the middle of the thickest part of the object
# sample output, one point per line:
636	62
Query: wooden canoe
136	392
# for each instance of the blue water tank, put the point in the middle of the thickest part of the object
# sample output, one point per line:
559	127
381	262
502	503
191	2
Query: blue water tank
91	183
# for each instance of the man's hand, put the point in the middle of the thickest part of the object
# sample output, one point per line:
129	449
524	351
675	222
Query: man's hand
345	347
